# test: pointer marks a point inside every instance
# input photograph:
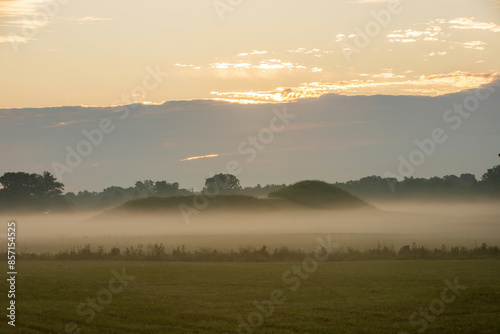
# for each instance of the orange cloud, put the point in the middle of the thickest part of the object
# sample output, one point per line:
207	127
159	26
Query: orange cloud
385	83
201	157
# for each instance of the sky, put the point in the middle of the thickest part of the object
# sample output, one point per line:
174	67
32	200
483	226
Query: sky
176	90
333	138
90	53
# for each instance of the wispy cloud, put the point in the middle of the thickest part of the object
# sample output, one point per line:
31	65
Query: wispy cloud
430	34
63	124
254	52
18	8
474	45
13	39
315	52
470	23
431	85
433	54
201	157
87	19
242	68
34	13
436	30
18	14
269	64
22	16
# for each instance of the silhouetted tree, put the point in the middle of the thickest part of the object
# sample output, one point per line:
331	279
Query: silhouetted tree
491	180
468	179
145	188
162	188
31	191
223	184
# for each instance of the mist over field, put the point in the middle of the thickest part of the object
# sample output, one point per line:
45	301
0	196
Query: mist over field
394	224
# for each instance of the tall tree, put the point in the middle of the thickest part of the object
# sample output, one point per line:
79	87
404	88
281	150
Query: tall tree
223	183
491	179
35	191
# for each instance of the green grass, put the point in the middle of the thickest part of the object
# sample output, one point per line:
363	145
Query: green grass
219	202
340	297
302	195
319	195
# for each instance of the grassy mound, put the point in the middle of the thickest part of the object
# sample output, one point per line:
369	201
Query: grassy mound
320	195
305	194
221	202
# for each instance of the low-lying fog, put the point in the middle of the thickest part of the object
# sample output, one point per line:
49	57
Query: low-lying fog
395	224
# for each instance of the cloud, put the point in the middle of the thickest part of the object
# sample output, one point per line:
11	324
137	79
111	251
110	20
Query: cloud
474	45
188	66
431	85
268	64
430	34
63	124
247	68
435	31
254	52
26	13
33	14
384	125
90	19
432	54
386	75
305	51
17	8
13	39
469	23
313	52
201	157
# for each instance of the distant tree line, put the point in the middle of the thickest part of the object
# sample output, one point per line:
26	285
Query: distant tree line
42	192
465	186
224	184
112	196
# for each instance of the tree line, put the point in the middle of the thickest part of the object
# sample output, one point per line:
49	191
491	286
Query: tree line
465	186
42	192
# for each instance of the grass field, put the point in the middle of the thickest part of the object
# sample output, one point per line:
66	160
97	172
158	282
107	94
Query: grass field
339	297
